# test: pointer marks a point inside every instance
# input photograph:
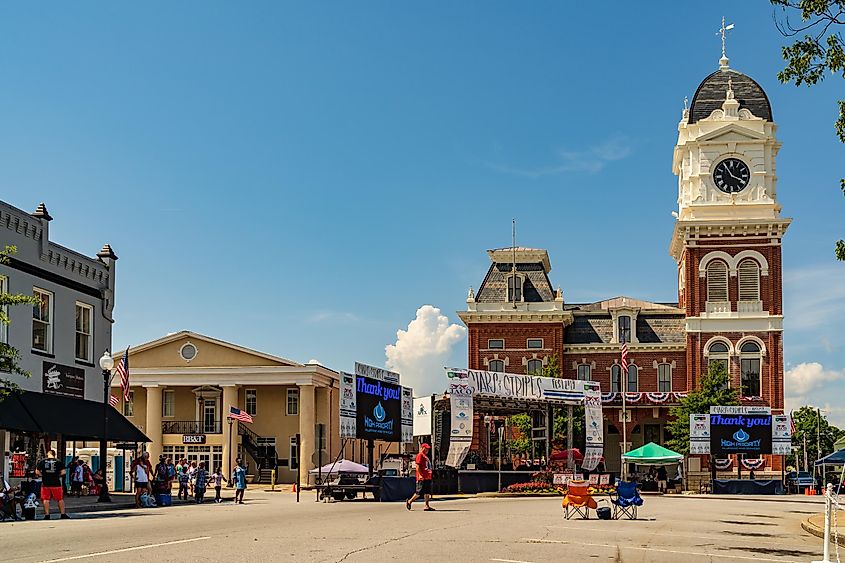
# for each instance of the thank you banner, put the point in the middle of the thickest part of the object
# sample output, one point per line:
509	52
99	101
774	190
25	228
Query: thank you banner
594	425
740	434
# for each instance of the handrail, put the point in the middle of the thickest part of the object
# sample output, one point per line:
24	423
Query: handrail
191	427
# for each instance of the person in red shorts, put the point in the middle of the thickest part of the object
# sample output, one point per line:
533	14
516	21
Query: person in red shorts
424	477
51	471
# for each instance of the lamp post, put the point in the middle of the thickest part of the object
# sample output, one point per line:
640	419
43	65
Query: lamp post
501	430
106	364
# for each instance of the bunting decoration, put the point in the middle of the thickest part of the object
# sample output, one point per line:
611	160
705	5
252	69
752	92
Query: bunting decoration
753	464
658	397
609	397
680	395
723	464
633	397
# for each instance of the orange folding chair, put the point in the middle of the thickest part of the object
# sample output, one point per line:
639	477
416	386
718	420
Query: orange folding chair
578	500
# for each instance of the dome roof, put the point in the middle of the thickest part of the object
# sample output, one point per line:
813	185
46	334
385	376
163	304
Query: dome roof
711	95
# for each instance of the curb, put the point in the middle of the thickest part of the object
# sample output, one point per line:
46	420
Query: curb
783	498
814	530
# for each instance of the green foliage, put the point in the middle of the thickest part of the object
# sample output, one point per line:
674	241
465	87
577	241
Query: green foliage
817	431
714	391
821	51
521	443
552	367
10	356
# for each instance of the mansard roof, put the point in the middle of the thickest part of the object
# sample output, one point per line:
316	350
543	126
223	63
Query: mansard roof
710	95
532	263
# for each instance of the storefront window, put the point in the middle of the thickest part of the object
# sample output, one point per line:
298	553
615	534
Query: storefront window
42	321
83	331
293	402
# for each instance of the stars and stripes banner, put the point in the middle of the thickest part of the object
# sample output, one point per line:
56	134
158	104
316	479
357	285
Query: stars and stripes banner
624	353
114	401
238	414
123	372
753	464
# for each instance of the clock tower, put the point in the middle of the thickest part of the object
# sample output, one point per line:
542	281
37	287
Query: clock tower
727	236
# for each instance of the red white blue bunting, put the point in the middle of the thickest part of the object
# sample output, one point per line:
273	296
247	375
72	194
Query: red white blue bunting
658	397
633	397
609	397
723	464
680	395
752	464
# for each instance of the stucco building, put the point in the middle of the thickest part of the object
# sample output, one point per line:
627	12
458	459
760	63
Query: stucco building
729	309
183	384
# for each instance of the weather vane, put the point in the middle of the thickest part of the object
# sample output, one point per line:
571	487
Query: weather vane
723	31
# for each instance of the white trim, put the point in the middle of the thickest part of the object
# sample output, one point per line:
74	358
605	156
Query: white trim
50	324
246	400
502	340
736	323
732	261
90	334
529	347
723	340
182	350
287	401
164	394
609	347
751	338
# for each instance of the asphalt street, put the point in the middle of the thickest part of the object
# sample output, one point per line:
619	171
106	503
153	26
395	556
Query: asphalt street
272	527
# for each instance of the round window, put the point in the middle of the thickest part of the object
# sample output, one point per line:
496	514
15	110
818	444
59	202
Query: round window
188	352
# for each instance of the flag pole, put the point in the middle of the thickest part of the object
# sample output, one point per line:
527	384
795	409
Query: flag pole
513	265
624	387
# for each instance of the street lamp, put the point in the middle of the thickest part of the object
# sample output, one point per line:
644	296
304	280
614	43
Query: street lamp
106	364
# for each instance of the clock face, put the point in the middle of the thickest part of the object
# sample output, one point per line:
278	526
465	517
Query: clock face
731	175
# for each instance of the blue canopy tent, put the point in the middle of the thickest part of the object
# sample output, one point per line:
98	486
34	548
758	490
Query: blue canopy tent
836	458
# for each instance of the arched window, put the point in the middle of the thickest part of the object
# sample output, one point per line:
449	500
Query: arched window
717	281
749	280
624	326
717	355
615	372
496	365
584	372
664	378
535	367
514	288
749	365
633	373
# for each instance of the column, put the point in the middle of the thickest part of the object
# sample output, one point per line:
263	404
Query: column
307	409
153	422
230	431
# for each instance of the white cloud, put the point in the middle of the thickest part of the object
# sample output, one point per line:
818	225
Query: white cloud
590	160
420	352
808	377
335	317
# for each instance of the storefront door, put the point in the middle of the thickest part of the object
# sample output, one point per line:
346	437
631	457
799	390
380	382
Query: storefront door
210	416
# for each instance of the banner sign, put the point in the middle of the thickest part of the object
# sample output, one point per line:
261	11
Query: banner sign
515	386
460	435
193	438
422	416
63	380
781	435
594	426
740	434
348	406
407	415
699	433
376	373
379	414
740	410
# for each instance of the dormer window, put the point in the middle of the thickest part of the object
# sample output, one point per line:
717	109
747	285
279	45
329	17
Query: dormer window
514	288
624	328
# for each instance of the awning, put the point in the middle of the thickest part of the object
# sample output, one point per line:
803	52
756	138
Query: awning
72	418
652	454
836	458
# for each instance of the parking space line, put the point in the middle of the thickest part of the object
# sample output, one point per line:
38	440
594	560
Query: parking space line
125	549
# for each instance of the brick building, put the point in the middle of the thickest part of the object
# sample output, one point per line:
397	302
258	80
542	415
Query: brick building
727	245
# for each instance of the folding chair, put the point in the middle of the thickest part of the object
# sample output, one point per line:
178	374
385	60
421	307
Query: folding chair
578	500
626	500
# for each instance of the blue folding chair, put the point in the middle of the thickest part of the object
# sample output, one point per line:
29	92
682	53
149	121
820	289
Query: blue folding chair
626	500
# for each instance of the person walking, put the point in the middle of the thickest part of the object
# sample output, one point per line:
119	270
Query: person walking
239	480
182	474
424	478
217	478
51	471
662	477
192	473
142	474
200	482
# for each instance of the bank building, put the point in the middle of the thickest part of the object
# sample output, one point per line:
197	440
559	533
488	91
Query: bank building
726	243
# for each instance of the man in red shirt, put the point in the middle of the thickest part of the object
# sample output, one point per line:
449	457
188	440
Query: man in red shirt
424	475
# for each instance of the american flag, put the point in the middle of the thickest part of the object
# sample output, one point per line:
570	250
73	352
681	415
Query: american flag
114	401
123	372
791	424
624	354
238	414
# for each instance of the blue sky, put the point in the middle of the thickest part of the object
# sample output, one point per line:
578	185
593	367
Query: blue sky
301	178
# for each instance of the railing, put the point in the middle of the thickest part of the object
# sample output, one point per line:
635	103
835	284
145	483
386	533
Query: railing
718	307
191	427
749	306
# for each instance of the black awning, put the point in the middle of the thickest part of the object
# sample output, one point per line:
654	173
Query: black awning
72	418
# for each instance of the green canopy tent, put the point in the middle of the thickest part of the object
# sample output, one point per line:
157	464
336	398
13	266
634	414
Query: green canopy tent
652	454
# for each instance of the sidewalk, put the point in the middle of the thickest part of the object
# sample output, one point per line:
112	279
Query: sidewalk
815	526
119	501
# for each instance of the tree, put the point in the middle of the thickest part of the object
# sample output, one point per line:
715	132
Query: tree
9	355
821	50
714	391
811	426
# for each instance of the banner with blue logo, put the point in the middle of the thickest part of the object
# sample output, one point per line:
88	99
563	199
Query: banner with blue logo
735	433
379	410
